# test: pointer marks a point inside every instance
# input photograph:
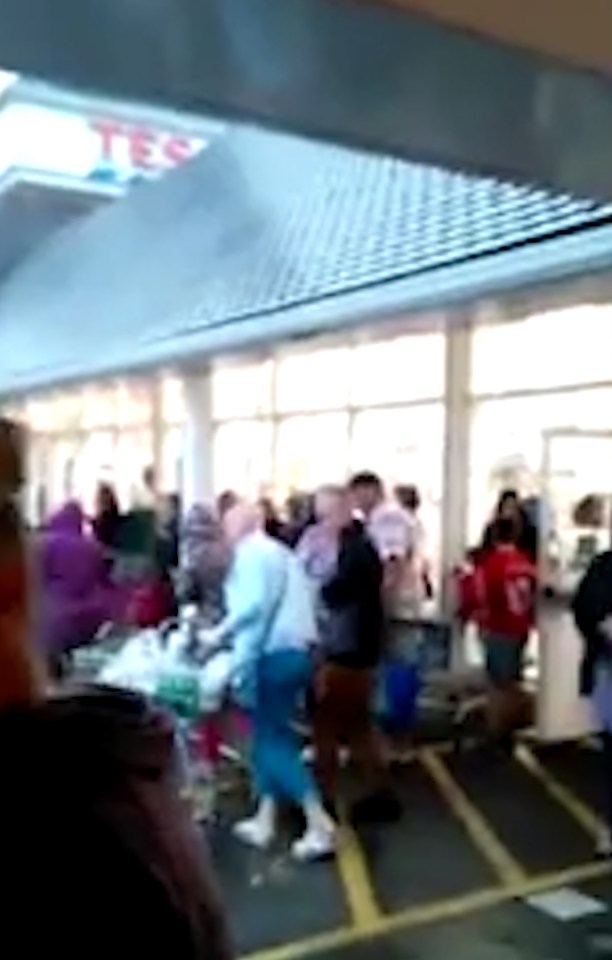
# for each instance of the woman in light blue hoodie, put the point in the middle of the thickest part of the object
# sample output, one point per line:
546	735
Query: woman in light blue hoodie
270	625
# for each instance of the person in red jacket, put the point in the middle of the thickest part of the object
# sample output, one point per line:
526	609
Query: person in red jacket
507	581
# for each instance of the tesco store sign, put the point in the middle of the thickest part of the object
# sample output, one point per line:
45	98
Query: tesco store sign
142	149
42	139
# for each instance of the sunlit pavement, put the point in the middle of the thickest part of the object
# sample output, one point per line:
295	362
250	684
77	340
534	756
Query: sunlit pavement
459	875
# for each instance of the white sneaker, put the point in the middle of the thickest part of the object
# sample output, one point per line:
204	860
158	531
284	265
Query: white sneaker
316	844
603	846
254	832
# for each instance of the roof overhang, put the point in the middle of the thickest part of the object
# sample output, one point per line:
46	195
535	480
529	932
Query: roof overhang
267	237
367	74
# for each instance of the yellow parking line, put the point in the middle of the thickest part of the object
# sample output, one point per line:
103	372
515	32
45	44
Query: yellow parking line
437	912
356	882
581	813
507	869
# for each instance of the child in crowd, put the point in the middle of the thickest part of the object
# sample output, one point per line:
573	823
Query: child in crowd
506	585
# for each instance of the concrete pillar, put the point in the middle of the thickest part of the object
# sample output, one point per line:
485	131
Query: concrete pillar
197	473
457	434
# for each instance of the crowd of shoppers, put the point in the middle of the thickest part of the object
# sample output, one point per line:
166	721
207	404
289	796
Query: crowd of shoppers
303	602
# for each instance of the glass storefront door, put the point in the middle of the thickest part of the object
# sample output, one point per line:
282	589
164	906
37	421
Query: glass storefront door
575	524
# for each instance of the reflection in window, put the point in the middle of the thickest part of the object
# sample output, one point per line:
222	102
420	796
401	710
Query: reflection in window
243	457
310	451
242	391
507	441
395	371
313	381
544	351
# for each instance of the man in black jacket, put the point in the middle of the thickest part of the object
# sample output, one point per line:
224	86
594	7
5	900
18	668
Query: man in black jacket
592	608
352	648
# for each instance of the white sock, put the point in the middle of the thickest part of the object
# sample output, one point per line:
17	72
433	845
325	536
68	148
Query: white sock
317	817
319	840
258	831
266	815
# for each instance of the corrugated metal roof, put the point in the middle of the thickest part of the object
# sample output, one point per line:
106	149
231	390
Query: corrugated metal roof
260	225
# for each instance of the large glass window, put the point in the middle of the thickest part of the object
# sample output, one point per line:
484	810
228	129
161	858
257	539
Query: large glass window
507	441
242	390
172	460
173	400
310	451
398	370
61	479
133	454
133	404
94	463
243	457
98	407
556	349
405	445
313	381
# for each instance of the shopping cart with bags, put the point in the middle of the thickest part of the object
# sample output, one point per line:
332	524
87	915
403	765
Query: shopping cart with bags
186	679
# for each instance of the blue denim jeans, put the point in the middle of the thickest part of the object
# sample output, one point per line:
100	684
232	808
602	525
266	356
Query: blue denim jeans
282	681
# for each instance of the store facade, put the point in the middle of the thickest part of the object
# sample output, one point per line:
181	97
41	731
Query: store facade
460	403
381	398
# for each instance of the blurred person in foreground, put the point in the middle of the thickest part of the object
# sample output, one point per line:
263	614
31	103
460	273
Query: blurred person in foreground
90	818
351	651
270	627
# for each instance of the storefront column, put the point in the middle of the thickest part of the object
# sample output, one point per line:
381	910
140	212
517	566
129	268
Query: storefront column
197	472
456	466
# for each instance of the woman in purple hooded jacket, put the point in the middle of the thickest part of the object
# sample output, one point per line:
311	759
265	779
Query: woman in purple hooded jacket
73	595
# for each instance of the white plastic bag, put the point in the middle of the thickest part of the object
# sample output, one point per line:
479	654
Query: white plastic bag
214	680
137	666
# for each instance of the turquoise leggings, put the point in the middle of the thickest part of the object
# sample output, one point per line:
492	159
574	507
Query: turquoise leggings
282	682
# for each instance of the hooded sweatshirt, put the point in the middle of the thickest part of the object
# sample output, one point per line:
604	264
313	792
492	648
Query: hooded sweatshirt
73	595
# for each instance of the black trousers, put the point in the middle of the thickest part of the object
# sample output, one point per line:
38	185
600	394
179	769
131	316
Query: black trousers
606	739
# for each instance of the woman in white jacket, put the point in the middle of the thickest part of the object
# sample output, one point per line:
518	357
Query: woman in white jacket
270	625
